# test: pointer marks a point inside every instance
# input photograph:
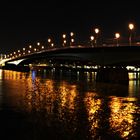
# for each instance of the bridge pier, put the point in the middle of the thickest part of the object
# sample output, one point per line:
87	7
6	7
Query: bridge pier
116	75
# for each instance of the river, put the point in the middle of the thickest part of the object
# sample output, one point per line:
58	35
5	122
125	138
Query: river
65	105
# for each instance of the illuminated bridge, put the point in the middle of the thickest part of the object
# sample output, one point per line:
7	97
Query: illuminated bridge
110	57
103	56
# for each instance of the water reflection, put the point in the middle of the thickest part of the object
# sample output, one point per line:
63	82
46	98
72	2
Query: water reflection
134	84
93	106
72	104
122	117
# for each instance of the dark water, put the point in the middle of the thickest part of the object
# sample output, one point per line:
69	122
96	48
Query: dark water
65	105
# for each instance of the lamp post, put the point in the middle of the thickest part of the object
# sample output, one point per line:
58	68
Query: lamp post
71	38
30	46
117	36
91	40
38	43
131	27
64	39
38	46
97	32
49	42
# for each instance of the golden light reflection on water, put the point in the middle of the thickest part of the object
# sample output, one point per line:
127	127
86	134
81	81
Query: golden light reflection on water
63	101
93	106
68	94
67	105
40	95
122	116
134	84
13	75
51	98
39	92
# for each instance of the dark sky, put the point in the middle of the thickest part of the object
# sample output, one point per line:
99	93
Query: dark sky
22	23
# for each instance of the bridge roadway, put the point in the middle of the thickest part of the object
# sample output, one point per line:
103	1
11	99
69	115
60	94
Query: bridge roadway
103	56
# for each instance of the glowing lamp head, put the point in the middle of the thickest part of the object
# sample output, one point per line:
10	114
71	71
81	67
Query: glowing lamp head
117	35
72	40
91	38
96	30
71	34
49	40
30	46
65	41
64	36
38	43
131	26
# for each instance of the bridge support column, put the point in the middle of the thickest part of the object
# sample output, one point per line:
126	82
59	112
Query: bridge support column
116	75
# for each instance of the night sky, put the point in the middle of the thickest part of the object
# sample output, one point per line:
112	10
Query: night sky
22	23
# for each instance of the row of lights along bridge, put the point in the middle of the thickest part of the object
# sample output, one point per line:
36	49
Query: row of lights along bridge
94	39
93	42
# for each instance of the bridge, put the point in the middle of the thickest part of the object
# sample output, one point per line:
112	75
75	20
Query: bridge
109	57
103	56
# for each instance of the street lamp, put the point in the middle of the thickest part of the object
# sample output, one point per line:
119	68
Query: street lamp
117	36
64	36
97	32
64	43
64	39
71	34
131	27
49	42
30	46
38	43
52	44
91	40
42	47
71	38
